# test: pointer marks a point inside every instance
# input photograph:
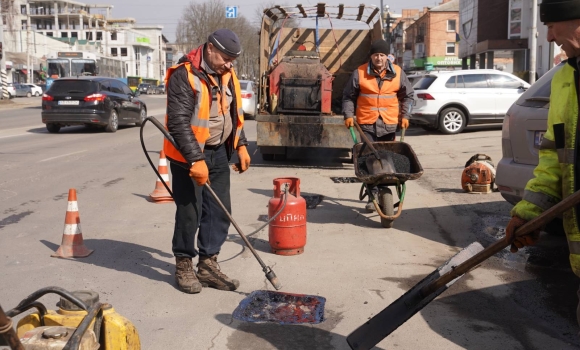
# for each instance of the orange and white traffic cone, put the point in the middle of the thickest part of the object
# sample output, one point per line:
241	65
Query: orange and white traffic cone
72	245
160	194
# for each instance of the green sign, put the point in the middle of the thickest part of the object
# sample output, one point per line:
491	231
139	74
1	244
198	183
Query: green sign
428	66
142	40
429	63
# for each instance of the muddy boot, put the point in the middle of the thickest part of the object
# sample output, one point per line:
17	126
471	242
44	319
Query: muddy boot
185	276
370	207
209	274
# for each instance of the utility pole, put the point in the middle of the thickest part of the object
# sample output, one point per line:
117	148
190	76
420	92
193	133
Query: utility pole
382	24
3	77
28	70
534	41
388	29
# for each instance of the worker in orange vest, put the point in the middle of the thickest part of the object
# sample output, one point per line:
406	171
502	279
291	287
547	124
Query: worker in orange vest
380	96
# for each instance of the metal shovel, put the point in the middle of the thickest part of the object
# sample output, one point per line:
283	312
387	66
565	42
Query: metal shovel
376	165
402	309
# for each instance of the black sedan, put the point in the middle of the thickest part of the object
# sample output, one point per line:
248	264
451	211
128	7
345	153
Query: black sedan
91	101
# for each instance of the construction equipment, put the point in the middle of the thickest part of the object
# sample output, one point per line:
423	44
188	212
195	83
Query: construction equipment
479	174
81	322
307	55
384	323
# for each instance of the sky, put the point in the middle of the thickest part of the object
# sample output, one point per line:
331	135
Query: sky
167	12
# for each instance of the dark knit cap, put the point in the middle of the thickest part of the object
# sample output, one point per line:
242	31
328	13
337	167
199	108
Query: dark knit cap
380	46
226	41
559	10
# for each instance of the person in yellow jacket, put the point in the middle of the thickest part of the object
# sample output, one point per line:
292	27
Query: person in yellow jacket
380	96
205	117
558	172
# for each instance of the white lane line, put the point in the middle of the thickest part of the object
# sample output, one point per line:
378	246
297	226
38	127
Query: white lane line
4	137
64	155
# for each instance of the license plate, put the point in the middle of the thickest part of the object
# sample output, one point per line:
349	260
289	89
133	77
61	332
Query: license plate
69	103
538	136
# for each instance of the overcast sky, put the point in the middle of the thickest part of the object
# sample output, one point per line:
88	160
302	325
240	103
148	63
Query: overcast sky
167	12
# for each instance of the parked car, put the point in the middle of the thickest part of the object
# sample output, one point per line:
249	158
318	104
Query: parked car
22	90
11	91
161	89
146	88
36	90
249	104
91	101
448	101
523	128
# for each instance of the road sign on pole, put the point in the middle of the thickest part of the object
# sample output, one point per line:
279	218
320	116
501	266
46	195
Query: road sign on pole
231	12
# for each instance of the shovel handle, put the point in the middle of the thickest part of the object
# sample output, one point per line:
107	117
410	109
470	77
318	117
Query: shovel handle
529	227
366	140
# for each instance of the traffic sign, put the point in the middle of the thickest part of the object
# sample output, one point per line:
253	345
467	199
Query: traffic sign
231	12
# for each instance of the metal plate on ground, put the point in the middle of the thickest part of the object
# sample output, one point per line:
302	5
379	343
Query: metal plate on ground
281	308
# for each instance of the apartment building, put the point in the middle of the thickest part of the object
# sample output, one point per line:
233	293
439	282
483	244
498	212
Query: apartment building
401	47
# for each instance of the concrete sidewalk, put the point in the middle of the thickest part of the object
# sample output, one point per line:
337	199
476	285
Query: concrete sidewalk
21	102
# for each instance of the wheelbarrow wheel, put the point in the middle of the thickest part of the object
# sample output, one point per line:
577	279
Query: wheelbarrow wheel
387	206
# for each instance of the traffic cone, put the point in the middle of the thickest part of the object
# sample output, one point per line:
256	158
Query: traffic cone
72	245
160	194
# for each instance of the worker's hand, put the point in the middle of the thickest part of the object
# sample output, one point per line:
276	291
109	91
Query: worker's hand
349	122
404	123
244	158
521	241
199	173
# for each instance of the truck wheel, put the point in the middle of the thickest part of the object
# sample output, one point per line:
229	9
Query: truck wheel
52	128
387	207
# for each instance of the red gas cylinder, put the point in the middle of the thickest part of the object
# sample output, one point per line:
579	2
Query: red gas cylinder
287	233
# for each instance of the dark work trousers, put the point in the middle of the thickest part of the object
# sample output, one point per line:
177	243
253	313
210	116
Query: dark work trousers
197	207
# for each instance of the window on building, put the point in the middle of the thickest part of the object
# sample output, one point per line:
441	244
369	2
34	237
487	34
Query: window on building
64	35
113	35
50	34
123	51
450	49
23	25
99	35
89	35
74	34
22	10
451	25
113	51
420	50
48	25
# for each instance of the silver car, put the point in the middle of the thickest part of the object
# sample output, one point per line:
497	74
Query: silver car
523	128
248	92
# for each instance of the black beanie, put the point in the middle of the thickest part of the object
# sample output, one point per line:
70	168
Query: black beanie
559	10
380	46
226	41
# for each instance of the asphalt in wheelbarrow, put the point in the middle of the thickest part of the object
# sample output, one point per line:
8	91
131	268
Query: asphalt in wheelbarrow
401	162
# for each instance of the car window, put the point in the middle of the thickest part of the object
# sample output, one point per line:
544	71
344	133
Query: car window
244	85
501	81
116	87
451	83
126	89
538	95
73	86
475	81
425	82
105	85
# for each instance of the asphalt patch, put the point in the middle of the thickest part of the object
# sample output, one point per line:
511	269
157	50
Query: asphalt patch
401	162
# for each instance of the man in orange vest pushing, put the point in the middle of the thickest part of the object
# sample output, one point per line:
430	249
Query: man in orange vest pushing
205	117
380	96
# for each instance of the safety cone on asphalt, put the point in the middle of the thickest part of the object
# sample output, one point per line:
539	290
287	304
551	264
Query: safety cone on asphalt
72	245
160	194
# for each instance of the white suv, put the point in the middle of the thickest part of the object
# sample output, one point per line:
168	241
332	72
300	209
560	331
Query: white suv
36	90
449	101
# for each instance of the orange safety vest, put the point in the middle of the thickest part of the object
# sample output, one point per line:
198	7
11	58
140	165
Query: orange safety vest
200	120
373	102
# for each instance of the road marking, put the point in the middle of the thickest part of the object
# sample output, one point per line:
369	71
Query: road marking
3	137
64	155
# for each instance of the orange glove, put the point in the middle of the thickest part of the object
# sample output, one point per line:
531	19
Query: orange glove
244	158
404	123
199	173
349	122
521	241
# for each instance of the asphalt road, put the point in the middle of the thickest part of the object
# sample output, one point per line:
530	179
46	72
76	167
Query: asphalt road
512	301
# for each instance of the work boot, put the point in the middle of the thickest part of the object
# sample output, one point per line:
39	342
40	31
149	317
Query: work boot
209	274
185	276
370	207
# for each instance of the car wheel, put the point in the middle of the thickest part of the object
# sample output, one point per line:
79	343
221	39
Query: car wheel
452	121
28	94
113	124
37	94
52	128
142	116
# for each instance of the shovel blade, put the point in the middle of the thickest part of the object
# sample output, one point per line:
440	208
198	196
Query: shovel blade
381	165
387	321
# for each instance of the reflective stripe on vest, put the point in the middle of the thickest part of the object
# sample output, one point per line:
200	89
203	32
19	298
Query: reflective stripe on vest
540	199
372	102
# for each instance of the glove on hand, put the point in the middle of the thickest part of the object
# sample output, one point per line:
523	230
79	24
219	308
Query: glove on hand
404	123
521	241
199	173
349	122
244	158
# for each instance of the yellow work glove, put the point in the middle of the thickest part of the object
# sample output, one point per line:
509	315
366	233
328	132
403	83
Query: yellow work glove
521	241
244	158
349	122
199	173
404	123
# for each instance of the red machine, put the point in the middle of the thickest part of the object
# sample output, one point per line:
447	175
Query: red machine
287	233
479	174
301	84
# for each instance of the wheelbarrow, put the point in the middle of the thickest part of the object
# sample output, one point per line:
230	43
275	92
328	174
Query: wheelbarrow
407	168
